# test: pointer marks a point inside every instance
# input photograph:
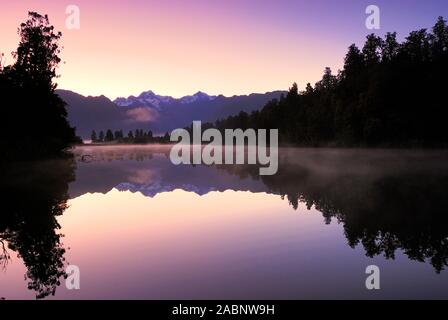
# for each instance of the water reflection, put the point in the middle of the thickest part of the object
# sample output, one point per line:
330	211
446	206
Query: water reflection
387	202
33	195
385	199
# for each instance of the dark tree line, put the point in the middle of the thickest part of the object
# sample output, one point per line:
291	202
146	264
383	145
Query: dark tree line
134	137
386	207
28	96
387	94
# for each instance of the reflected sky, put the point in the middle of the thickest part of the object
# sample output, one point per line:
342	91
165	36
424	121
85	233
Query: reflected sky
139	227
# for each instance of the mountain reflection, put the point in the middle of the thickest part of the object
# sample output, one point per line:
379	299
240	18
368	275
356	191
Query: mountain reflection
33	195
386	200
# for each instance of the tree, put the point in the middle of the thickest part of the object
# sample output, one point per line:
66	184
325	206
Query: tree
109	135
38	53
101	136
440	36
328	80
389	47
353	62
93	136
28	91
293	91
371	49
417	46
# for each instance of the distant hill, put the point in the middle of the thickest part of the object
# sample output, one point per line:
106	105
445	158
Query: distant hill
155	112
88	113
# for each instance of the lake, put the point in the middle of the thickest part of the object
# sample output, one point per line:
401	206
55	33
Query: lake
139	227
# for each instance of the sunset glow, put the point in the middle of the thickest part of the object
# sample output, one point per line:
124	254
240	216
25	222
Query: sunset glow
179	47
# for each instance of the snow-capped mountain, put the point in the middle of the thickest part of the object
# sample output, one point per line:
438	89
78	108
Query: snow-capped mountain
145	99
152	100
155	112
198	96
155	174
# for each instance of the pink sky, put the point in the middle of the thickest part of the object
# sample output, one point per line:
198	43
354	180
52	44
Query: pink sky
179	47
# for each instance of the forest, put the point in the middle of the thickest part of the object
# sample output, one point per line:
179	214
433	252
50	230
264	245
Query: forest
139	136
388	94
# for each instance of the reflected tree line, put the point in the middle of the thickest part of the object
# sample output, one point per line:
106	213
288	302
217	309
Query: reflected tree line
139	136
387	205
33	196
383	211
386	200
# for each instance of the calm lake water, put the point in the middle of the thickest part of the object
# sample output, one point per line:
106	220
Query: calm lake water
139	227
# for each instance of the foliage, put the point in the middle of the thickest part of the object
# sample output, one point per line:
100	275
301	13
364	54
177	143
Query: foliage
28	95
388	94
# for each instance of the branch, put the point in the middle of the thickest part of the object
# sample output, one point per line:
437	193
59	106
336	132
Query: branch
4	256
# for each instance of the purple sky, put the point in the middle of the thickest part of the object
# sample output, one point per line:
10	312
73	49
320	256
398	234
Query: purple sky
178	47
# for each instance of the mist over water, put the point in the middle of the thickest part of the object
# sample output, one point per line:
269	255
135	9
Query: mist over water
140	227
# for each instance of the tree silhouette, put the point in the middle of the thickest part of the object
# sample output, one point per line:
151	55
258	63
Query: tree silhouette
34	195
384	206
93	136
387	94
27	92
109	135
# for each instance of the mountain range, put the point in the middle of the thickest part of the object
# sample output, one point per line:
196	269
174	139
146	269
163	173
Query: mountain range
158	113
150	172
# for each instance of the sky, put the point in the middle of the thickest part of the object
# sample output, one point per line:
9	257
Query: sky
232	47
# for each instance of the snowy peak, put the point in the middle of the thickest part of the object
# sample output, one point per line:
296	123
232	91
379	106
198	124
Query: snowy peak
145	99
198	96
151	96
159	113
150	99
